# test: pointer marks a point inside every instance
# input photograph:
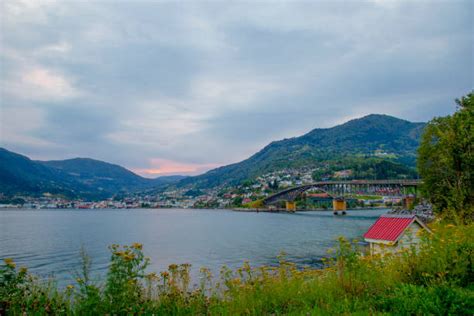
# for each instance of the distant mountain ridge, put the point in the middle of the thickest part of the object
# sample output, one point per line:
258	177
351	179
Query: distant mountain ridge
352	144
78	177
358	137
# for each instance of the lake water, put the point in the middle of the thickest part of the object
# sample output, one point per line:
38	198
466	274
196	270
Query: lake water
48	241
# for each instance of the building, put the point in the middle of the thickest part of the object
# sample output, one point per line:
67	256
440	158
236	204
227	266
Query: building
246	200
342	174
394	232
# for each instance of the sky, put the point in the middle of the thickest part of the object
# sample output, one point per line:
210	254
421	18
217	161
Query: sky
182	87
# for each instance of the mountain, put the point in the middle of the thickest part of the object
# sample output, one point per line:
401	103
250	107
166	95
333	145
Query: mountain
106	176
78	177
374	146
98	174
373	138
21	175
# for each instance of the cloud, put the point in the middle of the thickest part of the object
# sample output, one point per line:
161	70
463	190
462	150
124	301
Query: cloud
158	86
40	84
31	119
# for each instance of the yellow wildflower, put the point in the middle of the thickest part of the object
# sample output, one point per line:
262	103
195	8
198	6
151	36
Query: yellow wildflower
70	286
236	281
137	246
172	267
9	262
152	276
129	257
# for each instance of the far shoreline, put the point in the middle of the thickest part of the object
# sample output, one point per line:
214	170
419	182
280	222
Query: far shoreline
241	210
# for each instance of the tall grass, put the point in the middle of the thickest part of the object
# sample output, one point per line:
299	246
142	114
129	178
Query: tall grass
435	278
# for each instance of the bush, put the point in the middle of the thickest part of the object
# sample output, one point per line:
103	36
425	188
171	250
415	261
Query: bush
410	299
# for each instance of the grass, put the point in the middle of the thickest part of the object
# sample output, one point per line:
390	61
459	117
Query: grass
367	197
437	278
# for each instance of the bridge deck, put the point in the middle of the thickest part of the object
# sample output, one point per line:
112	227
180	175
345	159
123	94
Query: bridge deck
291	193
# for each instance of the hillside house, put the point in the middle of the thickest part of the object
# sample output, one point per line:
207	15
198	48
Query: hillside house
392	232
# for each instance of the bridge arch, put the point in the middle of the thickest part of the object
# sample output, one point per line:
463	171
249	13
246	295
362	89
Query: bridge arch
338	189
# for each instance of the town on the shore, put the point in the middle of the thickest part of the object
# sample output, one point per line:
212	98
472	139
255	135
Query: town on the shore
221	197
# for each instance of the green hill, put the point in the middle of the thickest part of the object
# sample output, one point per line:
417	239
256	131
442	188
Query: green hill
375	147
21	175
78	177
361	142
100	175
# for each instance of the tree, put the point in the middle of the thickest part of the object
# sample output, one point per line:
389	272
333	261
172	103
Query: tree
446	162
237	201
273	185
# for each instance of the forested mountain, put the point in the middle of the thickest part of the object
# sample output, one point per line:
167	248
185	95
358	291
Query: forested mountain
99	174
373	138
21	175
79	177
375	146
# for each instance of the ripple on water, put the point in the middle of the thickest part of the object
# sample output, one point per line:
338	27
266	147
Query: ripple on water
49	241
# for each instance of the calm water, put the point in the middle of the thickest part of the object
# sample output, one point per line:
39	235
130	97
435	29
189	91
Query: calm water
48	241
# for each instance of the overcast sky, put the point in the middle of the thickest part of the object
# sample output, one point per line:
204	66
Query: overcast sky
166	88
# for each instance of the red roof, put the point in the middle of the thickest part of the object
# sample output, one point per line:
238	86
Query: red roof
389	227
324	195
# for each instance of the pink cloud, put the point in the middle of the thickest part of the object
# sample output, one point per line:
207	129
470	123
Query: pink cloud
162	167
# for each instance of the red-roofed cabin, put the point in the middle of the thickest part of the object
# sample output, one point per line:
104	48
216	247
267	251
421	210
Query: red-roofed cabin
394	232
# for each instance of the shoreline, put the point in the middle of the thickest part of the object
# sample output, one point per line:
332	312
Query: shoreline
242	210
282	210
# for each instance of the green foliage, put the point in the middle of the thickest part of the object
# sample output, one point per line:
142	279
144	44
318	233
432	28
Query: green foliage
11	284
194	193
382	169
360	138
273	185
21	293
364	168
409	299
435	278
127	267
446	162
237	202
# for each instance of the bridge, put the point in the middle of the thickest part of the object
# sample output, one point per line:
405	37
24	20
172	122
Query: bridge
339	190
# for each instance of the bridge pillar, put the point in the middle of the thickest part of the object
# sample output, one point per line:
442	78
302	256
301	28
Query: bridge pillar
408	202
339	204
290	206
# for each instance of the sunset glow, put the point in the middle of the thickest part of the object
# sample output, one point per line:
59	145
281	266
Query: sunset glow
161	167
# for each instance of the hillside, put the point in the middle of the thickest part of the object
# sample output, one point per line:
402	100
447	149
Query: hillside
375	137
78	177
98	174
21	175
106	176
375	146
